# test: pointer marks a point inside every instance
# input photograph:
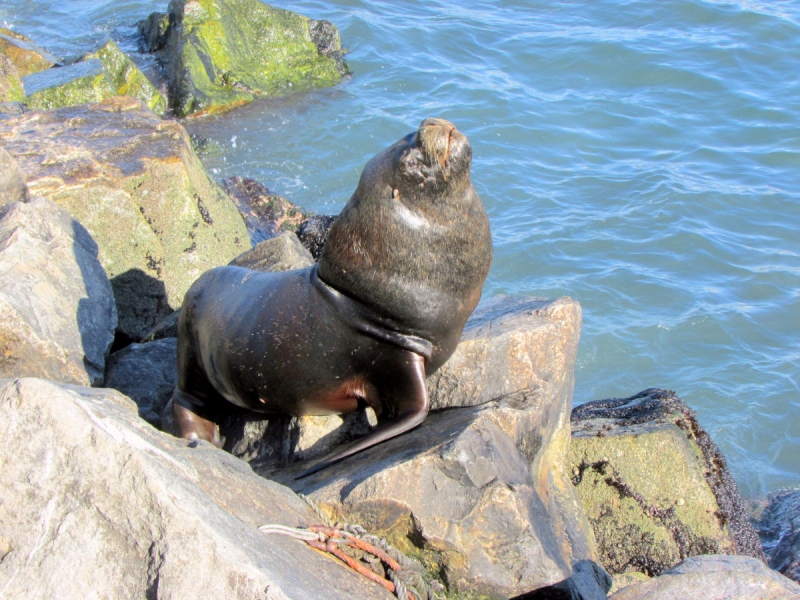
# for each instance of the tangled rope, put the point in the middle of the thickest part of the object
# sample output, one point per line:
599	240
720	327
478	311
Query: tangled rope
401	575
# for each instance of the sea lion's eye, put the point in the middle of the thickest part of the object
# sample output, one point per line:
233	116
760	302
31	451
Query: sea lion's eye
411	162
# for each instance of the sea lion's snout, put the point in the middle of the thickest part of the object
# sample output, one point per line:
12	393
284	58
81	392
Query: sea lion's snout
441	143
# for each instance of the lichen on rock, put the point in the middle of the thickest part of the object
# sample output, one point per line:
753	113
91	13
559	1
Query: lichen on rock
223	53
655	487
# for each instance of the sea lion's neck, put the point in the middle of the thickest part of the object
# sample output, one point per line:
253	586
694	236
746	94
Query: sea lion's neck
369	321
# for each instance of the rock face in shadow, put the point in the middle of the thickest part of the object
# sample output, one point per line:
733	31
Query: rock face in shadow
223	53
479	491
146	373
714	578
655	487
314	231
57	314
94	503
134	182
588	582
779	529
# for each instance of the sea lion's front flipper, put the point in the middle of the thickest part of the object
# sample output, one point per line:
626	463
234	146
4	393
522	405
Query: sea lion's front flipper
408	393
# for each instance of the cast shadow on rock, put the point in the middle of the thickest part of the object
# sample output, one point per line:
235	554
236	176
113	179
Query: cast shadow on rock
141	305
438	427
588	581
96	313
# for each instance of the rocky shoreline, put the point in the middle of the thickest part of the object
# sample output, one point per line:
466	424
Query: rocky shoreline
106	218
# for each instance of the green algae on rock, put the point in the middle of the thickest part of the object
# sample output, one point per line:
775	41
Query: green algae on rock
27	56
219	54
654	486
11	89
126	78
96	77
79	83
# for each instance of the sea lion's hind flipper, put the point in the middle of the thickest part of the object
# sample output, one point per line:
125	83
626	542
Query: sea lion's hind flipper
189	422
410	397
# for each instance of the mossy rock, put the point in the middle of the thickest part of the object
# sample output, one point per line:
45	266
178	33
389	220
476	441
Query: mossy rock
126	78
11	89
100	75
223	53
26	56
79	83
654	486
134	182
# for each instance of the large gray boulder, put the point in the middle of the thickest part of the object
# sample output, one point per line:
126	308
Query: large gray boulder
521	349
137	186
478	491
711	577
95	503
57	314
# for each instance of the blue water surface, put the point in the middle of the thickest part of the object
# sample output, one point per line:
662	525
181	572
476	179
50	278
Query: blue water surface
642	157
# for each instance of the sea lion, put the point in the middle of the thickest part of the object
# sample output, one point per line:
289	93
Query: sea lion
400	273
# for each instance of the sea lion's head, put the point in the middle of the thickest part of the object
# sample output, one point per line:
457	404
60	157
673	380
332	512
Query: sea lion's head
413	242
437	156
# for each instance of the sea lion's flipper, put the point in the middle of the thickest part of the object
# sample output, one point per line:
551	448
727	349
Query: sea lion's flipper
189	422
410	397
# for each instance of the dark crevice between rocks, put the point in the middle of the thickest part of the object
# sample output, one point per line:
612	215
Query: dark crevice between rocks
588	580
155	557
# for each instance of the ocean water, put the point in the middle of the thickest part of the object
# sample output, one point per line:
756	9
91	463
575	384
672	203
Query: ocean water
642	157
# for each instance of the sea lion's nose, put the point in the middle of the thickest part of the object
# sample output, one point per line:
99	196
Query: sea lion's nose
434	139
